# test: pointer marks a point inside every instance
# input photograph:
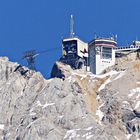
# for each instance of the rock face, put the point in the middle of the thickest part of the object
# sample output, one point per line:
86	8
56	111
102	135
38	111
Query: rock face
73	105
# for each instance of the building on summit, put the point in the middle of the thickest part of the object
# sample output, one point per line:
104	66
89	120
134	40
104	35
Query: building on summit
74	50
101	54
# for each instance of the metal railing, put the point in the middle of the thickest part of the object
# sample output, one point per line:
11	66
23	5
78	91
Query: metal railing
128	47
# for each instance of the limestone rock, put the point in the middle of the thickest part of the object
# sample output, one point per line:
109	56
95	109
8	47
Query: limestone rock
73	105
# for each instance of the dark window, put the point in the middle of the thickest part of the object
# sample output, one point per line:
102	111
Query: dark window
106	53
70	46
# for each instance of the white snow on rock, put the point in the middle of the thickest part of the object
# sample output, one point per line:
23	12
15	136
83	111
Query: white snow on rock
98	97
89	128
89	137
45	105
106	74
128	136
104	85
133	92
137	105
136	90
71	134
32	113
109	80
100	114
125	102
2	126
121	74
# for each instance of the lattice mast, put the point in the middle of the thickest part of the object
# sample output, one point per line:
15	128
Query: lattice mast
30	57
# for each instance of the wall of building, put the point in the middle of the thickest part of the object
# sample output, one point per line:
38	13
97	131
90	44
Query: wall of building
92	59
102	64
96	62
82	46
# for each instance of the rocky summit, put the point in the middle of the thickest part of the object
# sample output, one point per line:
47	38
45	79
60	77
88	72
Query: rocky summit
72	105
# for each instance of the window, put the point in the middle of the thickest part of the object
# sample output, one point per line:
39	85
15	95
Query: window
70	46
106	53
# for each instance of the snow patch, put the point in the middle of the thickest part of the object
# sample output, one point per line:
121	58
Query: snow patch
78	74
70	78
88	137
82	78
89	128
104	85
100	114
98	97
111	73
2	126
45	105
71	134
138	97
49	80
107	74
121	74
137	105
131	94
60	117
128	136
116	138
134	91
32	113
125	102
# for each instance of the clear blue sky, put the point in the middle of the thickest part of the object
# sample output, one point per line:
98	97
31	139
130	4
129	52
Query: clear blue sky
40	24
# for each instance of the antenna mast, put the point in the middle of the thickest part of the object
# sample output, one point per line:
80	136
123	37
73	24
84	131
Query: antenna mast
71	26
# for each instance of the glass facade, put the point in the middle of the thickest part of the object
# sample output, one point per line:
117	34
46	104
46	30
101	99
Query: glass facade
106	53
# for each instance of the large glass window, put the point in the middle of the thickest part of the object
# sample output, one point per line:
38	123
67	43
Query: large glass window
106	53
70	46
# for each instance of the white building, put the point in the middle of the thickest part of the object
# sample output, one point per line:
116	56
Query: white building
75	45
74	52
101	54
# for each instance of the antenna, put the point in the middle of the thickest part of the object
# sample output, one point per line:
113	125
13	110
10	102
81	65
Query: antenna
30	57
116	37
71	26
136	38
95	35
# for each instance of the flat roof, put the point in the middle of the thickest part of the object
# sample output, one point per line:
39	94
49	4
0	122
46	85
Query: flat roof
104	42
73	38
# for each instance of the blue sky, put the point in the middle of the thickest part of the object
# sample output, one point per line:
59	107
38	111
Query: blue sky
40	25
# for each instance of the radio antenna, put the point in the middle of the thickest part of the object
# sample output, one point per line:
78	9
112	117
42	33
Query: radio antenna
71	26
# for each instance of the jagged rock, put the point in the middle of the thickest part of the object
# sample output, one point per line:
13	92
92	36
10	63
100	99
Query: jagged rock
73	105
60	70
34	108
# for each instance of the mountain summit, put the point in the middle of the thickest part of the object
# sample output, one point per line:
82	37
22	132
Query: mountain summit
72	105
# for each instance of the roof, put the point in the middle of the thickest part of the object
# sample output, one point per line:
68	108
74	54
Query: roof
109	42
74	38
